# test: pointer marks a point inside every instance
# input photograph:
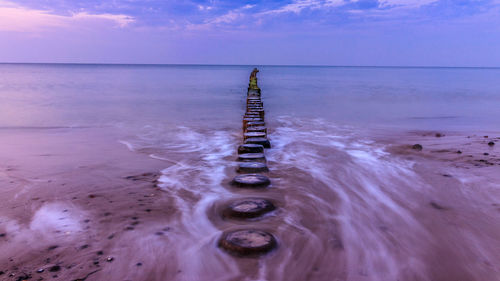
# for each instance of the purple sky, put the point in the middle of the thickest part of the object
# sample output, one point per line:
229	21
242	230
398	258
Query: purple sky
311	32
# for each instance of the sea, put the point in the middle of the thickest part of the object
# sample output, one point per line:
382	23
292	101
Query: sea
211	95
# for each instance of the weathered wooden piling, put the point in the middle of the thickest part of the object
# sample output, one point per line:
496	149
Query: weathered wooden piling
250	242
250	148
252	157
249	208
252	167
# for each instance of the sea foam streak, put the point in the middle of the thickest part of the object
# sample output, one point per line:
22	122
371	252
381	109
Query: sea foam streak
347	208
194	179
370	210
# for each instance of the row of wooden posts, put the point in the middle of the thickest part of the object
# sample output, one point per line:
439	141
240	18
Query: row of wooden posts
252	167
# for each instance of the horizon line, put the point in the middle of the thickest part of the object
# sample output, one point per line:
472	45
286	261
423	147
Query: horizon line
272	65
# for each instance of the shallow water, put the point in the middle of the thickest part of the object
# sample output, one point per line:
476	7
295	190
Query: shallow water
348	209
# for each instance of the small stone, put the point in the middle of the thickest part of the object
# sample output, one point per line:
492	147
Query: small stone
417	147
139	264
459	152
100	253
437	206
41	270
438	135
3	234
55	268
110	259
486	153
491	143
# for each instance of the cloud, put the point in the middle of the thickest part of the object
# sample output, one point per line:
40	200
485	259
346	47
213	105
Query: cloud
405	3
229	17
119	20
205	8
297	6
17	18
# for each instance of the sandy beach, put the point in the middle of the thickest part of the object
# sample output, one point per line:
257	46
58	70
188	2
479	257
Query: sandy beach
79	205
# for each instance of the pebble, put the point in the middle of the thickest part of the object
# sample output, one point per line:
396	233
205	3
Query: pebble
55	268
417	146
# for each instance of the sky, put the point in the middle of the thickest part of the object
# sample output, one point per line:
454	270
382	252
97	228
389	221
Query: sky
276	32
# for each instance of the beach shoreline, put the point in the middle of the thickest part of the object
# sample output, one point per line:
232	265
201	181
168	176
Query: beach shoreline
78	204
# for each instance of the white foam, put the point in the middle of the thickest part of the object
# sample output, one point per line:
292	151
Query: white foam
55	217
366	183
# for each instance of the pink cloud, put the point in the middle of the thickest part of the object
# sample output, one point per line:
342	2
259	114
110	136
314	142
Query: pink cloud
17	18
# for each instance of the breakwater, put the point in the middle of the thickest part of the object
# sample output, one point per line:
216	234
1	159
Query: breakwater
252	168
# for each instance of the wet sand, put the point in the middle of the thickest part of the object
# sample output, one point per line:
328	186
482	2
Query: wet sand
72	198
79	205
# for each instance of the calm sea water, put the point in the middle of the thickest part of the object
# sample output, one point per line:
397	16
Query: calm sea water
135	95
